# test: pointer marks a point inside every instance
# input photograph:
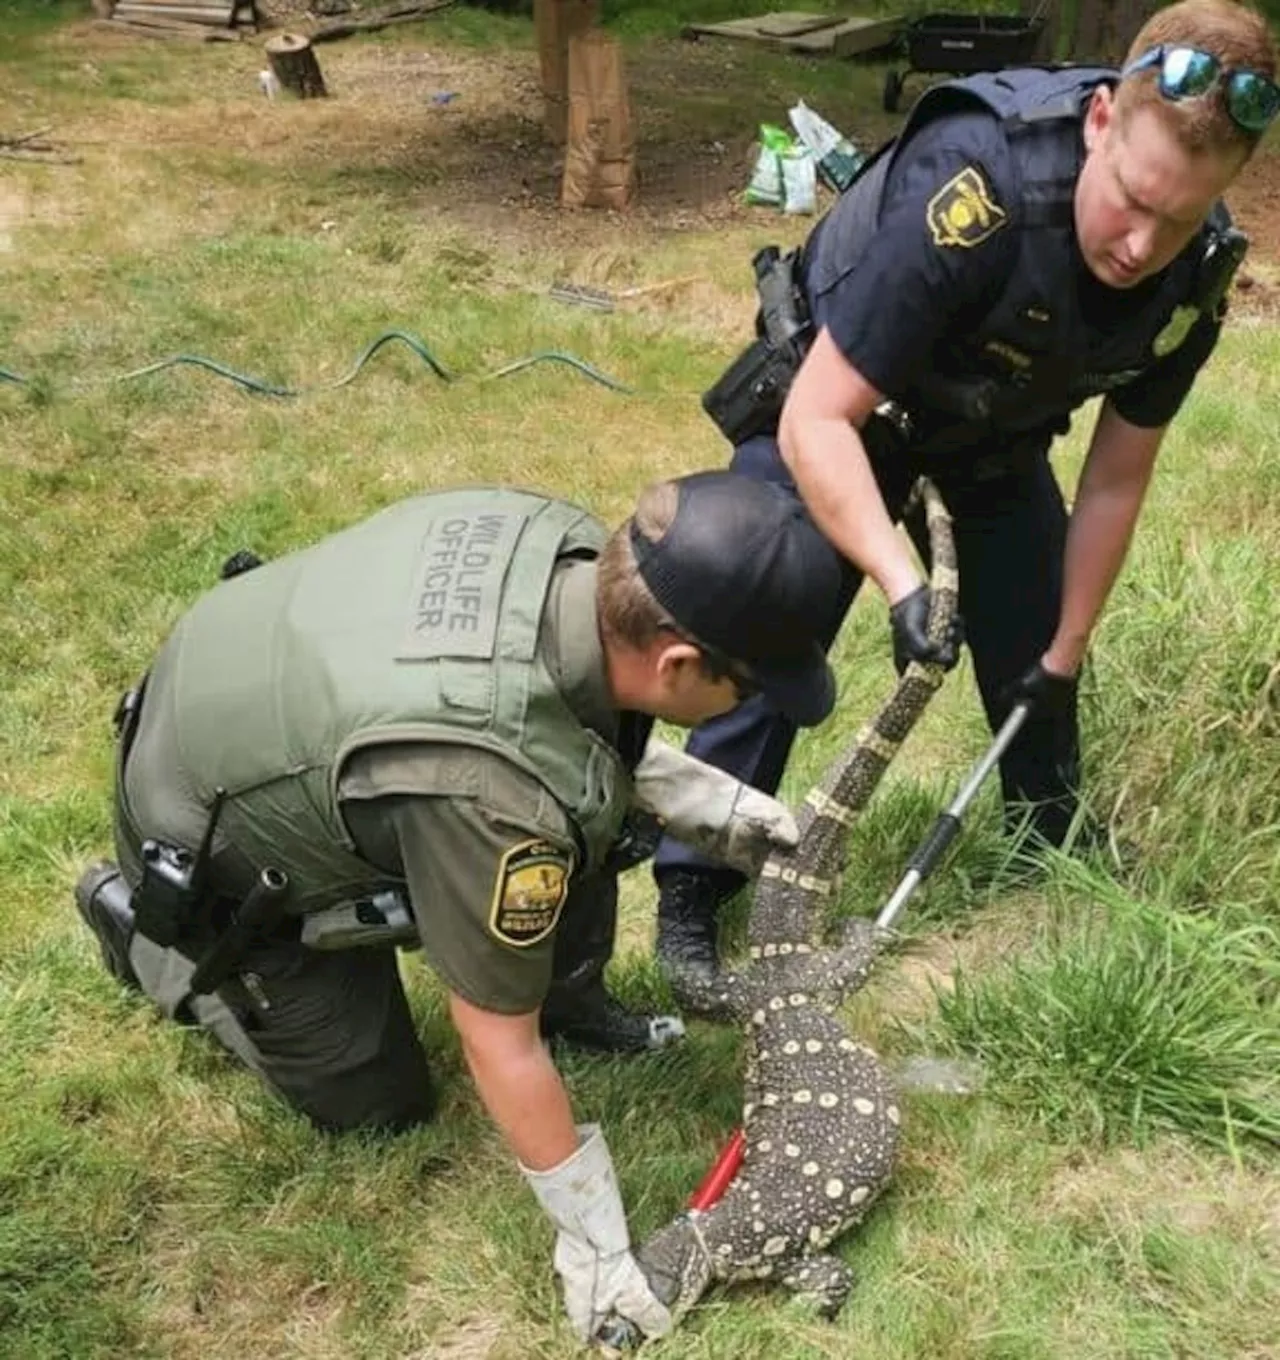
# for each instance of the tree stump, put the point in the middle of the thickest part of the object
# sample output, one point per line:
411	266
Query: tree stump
294	65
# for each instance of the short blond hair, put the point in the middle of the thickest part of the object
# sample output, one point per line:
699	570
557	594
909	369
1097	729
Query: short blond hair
1237	35
627	610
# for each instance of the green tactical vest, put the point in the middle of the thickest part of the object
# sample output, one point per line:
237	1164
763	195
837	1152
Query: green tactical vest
418	625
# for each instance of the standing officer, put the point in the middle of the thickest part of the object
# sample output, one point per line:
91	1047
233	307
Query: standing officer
430	721
1032	239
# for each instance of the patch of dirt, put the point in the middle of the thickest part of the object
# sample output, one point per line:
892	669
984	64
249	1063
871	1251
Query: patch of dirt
474	1339
19	209
1255	203
13	210
458	134
484	160
279	13
1192	1193
930	963
488	154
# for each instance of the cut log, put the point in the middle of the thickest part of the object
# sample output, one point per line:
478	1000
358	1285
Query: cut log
295	66
26	138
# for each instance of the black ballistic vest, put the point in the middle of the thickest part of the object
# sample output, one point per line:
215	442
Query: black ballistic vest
1020	370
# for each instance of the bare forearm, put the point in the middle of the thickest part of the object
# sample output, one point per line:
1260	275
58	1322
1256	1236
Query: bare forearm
830	466
1108	502
519	1087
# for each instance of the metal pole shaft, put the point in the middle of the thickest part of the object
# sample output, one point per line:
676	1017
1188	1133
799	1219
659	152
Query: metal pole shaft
930	850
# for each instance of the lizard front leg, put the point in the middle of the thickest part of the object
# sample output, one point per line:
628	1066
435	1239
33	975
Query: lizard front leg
822	1282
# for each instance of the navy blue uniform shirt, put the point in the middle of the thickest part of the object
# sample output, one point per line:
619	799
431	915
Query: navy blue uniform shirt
906	293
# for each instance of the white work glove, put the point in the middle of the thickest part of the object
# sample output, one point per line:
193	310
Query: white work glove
593	1250
711	811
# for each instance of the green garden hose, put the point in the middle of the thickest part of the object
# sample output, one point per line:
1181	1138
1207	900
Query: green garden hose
266	389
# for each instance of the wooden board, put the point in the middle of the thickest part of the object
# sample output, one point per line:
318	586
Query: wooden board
197	11
797	31
788	25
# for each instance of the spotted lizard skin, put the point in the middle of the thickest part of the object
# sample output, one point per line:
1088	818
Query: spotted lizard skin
820	1118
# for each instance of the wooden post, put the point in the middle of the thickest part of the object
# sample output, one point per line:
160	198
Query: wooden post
295	65
600	150
555	22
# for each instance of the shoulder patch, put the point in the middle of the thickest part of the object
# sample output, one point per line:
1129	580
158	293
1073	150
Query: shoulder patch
530	890
963	213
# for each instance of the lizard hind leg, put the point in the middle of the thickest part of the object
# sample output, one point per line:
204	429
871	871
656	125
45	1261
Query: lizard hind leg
821	1283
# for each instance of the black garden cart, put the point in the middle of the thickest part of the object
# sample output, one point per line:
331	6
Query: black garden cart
960	44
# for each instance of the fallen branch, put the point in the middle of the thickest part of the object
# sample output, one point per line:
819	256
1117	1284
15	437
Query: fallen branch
401	14
25	138
32	146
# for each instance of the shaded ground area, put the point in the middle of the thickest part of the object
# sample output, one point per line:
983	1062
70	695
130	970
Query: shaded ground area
457	131
696	107
484	158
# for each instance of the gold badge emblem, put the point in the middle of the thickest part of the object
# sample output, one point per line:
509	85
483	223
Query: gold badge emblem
962	212
1175	331
532	884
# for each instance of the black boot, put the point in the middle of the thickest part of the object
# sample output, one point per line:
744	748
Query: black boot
688	903
104	900
578	1010
595	1020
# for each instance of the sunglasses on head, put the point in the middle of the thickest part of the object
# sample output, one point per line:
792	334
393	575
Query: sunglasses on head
1252	99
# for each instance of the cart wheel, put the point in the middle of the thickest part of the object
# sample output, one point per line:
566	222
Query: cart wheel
892	90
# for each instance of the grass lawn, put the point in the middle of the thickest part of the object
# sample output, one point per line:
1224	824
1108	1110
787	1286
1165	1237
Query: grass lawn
1112	1191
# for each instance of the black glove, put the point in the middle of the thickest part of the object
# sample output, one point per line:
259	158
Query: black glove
1049	693
636	841
909	619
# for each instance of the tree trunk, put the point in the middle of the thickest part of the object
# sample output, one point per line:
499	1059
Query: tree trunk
295	65
1051	12
1091	32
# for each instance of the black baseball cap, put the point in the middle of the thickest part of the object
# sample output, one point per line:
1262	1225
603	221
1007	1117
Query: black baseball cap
746	573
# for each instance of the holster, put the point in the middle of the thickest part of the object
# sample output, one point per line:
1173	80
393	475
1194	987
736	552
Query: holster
383	919
747	399
166	908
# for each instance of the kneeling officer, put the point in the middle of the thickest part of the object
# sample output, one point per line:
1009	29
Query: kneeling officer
427	727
